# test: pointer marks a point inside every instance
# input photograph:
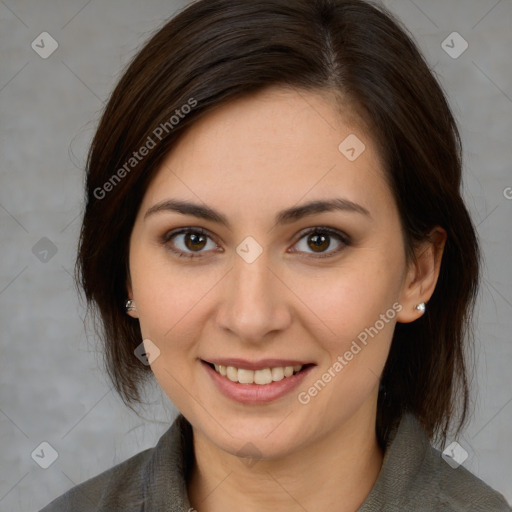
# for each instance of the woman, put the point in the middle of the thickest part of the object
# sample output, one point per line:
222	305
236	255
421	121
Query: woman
274	229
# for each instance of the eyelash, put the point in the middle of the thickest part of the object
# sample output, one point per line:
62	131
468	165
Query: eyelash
342	237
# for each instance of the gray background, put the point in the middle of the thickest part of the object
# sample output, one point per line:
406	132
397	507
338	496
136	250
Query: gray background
52	386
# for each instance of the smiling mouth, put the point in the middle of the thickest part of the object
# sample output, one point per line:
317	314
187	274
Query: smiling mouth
261	377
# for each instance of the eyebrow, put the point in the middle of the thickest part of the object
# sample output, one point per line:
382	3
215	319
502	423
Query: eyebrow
284	217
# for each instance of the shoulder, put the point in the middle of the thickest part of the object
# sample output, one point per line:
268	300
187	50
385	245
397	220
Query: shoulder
457	489
415	477
120	487
149	480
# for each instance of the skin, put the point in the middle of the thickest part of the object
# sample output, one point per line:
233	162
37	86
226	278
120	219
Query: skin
249	160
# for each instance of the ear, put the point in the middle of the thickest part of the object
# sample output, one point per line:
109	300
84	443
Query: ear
422	275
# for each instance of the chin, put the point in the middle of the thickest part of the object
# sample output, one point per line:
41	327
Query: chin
256	437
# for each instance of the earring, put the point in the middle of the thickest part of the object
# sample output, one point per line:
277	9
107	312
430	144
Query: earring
130	305
421	307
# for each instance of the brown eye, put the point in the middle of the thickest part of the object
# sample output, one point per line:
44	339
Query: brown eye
319	243
325	242
189	243
195	241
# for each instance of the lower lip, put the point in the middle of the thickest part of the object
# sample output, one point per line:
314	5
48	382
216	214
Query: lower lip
256	393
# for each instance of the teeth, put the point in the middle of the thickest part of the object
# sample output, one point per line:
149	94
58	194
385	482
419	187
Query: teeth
261	377
244	376
220	369
288	371
232	373
277	374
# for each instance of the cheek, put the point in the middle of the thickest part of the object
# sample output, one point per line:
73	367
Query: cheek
170	315
358	303
353	297
360	307
169	298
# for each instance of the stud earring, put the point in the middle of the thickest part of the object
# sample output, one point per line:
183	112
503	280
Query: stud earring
421	307
130	305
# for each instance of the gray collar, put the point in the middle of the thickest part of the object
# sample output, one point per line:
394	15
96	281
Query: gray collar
413	477
173	458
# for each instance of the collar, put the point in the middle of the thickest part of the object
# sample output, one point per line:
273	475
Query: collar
172	459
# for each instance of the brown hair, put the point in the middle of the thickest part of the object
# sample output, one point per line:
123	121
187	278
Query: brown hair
218	50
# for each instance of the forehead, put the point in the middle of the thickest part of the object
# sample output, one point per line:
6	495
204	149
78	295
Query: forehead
273	148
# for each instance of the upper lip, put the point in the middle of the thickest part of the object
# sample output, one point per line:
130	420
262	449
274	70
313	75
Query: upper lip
258	364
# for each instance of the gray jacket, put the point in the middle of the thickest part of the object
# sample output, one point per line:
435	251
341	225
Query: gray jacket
413	478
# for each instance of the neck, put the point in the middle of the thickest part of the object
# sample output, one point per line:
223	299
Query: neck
336	472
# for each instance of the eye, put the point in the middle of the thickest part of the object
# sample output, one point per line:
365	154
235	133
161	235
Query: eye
188	241
319	239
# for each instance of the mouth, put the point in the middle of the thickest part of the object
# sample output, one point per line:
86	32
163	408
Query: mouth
261	377
253	383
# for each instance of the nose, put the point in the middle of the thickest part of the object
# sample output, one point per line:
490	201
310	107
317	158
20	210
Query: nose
255	301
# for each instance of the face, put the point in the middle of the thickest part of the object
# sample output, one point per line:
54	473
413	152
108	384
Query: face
300	301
